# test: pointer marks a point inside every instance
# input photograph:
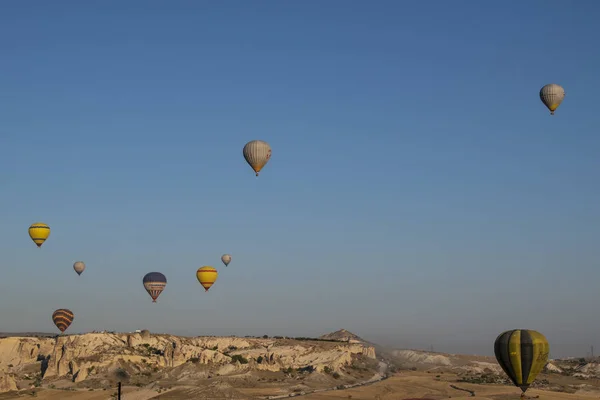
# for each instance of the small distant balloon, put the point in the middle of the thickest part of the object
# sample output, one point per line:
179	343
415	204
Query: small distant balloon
154	283
39	232
552	95
226	258
62	318
257	154
79	267
207	276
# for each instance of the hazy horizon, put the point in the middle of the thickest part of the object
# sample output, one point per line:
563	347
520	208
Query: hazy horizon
419	193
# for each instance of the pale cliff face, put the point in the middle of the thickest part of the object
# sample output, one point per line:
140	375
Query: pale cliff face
17	351
80	357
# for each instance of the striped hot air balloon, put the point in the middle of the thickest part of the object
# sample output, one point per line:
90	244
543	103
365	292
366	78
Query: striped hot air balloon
552	95
257	154
39	232
207	276
62	318
155	283
79	267
522	354
226	258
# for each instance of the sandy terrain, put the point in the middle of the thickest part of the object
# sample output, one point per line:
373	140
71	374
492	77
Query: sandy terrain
49	394
422	385
402	386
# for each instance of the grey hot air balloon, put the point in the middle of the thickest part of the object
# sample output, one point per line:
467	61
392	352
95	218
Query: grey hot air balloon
257	153
79	266
226	258
552	95
154	283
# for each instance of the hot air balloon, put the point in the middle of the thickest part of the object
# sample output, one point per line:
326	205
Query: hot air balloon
39	232
552	95
62	318
226	258
257	153
207	276
79	266
155	283
522	354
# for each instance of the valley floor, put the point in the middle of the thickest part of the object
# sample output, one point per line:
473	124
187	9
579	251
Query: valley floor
402	386
422	385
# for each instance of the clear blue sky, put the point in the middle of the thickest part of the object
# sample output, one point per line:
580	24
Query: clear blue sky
419	192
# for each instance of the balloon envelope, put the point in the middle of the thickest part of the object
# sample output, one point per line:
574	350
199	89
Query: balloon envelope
154	283
62	318
226	258
257	154
522	354
207	276
552	95
39	232
79	267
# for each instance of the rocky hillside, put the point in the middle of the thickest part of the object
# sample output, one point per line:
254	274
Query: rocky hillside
383	353
97	360
569	375
245	368
432	361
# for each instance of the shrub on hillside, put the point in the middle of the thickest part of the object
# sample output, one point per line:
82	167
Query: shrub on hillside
240	358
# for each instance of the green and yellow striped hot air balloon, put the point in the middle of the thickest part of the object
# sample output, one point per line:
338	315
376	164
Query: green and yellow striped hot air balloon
522	354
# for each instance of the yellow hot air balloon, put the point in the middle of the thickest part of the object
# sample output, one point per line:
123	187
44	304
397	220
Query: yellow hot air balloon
207	276
257	154
39	232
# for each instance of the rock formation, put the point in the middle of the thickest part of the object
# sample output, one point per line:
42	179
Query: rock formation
82	357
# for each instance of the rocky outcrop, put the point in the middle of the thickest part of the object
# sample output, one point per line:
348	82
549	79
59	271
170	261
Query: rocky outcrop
369	351
334	356
422	357
550	367
591	369
81	357
15	351
7	383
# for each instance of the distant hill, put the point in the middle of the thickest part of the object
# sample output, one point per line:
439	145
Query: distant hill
383	353
343	336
